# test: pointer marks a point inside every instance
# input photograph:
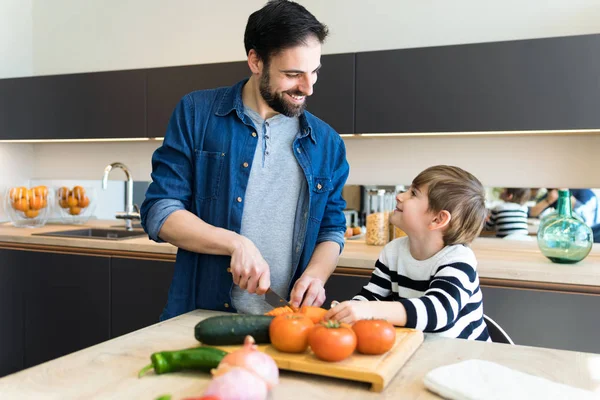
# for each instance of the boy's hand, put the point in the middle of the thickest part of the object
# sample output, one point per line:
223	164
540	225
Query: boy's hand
349	312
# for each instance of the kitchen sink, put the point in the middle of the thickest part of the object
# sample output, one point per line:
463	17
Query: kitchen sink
96	233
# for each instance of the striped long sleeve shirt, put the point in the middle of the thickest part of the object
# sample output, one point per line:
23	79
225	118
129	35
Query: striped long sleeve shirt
508	218
441	295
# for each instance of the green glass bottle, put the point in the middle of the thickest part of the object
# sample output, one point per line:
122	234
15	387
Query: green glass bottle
563	238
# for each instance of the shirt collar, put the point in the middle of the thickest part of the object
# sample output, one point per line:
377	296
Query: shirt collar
232	101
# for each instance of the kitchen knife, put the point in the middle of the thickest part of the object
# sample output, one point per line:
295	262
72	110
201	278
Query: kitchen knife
276	300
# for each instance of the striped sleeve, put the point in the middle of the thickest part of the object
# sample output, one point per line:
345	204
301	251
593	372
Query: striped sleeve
379	287
449	291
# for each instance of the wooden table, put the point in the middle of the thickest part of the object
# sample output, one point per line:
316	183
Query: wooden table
109	370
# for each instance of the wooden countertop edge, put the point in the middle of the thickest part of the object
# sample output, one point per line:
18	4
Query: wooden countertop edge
500	283
345	271
87	251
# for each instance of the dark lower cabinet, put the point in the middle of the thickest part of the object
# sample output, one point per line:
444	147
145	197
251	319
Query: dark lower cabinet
66	303
12	349
53	304
546	319
139	290
343	287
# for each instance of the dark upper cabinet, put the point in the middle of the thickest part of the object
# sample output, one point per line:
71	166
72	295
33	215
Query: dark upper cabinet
16	113
93	105
139	291
66	303
11	313
76	106
166	86
539	84
333	94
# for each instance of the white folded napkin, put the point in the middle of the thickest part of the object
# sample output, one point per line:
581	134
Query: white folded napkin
485	380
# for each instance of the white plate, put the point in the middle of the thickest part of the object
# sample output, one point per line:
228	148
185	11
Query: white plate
359	236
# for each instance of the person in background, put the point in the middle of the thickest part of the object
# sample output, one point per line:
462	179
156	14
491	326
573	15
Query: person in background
428	279
583	202
510	216
247	184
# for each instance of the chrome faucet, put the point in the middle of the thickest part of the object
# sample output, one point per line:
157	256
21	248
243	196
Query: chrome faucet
132	211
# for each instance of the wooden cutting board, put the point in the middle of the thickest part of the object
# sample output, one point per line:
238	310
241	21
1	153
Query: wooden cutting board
377	370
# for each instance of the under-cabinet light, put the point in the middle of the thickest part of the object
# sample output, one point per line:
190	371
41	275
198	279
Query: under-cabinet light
81	140
482	133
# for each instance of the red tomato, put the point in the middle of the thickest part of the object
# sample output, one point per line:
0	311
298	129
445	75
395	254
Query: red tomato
289	332
332	341
375	336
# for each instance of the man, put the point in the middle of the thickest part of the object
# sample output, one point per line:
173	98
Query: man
247	184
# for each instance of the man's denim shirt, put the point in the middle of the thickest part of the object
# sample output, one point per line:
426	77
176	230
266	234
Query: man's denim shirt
201	167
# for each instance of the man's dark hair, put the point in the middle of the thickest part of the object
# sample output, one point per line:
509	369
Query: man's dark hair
280	25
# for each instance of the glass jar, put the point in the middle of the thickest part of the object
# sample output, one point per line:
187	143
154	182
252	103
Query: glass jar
561	237
380	202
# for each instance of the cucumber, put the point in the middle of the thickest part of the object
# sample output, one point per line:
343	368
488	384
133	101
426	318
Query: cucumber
232	329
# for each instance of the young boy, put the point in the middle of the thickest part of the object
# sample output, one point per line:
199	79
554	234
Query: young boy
428	280
510	217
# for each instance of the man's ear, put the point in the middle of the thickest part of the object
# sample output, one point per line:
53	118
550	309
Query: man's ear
255	63
440	220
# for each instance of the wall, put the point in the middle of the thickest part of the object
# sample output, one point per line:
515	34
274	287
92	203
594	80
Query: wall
16	168
536	161
16	38
545	161
76	36
81	36
16	55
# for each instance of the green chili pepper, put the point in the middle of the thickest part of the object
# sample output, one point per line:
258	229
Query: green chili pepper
200	358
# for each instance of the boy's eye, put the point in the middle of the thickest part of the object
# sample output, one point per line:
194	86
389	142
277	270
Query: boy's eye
412	192
293	76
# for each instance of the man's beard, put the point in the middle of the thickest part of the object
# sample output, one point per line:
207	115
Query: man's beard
276	100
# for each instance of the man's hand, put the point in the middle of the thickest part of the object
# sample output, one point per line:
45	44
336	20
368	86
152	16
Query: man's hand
310	289
249	269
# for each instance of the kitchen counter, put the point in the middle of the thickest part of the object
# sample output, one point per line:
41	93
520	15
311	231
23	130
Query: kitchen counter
109	369
502	263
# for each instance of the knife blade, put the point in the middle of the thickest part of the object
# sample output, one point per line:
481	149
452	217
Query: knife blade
275	300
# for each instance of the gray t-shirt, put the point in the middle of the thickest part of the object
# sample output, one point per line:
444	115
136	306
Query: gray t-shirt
270	205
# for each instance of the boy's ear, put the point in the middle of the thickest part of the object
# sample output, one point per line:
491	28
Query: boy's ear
440	220
254	62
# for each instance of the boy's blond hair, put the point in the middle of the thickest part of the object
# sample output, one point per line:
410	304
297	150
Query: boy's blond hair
461	194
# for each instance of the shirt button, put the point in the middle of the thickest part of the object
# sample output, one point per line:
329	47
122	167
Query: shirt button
299	150
267	152
226	305
229	270
319	186
253	134
245	165
239	199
